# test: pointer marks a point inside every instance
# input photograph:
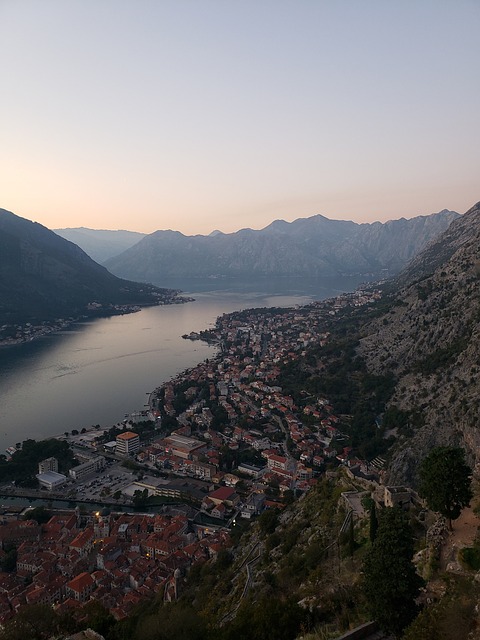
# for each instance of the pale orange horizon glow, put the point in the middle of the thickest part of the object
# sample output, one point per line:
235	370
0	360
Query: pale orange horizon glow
203	116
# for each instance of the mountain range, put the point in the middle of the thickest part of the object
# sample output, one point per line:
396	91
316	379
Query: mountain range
101	244
307	247
43	276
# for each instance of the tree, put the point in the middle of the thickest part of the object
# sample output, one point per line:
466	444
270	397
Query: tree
177	620
35	622
351	537
368	503
98	618
391	583
271	618
268	521
8	562
140	498
445	481
373	523
40	514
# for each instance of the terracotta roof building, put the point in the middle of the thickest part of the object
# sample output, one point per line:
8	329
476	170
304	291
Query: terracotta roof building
81	587
127	443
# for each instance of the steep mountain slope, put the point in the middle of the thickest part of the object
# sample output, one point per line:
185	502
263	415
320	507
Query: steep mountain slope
100	244
430	340
44	276
307	247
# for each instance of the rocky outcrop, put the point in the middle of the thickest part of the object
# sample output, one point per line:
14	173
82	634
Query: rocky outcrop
430	340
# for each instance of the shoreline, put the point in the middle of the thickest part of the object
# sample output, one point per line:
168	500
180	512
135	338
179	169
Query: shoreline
32	332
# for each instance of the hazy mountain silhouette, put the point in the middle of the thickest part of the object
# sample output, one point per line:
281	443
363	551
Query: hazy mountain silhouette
101	244
307	247
43	276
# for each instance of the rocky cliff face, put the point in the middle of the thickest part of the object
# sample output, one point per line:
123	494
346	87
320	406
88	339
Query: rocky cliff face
306	247
430	340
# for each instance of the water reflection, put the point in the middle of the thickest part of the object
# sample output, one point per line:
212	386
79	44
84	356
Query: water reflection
96	372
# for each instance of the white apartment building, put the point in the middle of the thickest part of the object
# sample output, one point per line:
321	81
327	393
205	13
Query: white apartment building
87	468
49	464
127	443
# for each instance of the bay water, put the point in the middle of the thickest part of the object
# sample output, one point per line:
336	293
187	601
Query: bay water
98	371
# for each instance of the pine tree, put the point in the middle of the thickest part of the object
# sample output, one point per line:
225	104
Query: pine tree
391	583
445	481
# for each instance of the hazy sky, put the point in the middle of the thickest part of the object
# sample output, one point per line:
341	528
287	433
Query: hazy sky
198	115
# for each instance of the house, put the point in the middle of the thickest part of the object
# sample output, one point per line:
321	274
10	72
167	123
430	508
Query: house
19	531
231	479
81	587
277	462
219	511
224	495
83	543
254	505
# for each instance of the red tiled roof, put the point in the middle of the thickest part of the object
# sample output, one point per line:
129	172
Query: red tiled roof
128	435
81	582
82	539
222	493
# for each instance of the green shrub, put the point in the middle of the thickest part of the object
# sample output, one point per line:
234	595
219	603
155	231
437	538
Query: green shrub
470	558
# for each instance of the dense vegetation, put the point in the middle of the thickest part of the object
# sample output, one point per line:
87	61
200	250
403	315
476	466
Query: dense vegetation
337	373
445	481
390	580
23	466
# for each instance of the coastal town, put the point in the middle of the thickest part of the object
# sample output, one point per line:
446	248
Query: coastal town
217	445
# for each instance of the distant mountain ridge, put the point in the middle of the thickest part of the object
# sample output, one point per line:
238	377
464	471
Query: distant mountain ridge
307	247
43	276
101	244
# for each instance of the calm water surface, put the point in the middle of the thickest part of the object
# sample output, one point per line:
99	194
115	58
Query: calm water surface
97	372
100	370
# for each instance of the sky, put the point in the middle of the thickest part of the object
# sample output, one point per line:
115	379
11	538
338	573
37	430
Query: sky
198	115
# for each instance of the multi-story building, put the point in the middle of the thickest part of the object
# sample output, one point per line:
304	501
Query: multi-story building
50	464
87	468
251	470
81	587
182	446
83	542
16	532
127	443
277	462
